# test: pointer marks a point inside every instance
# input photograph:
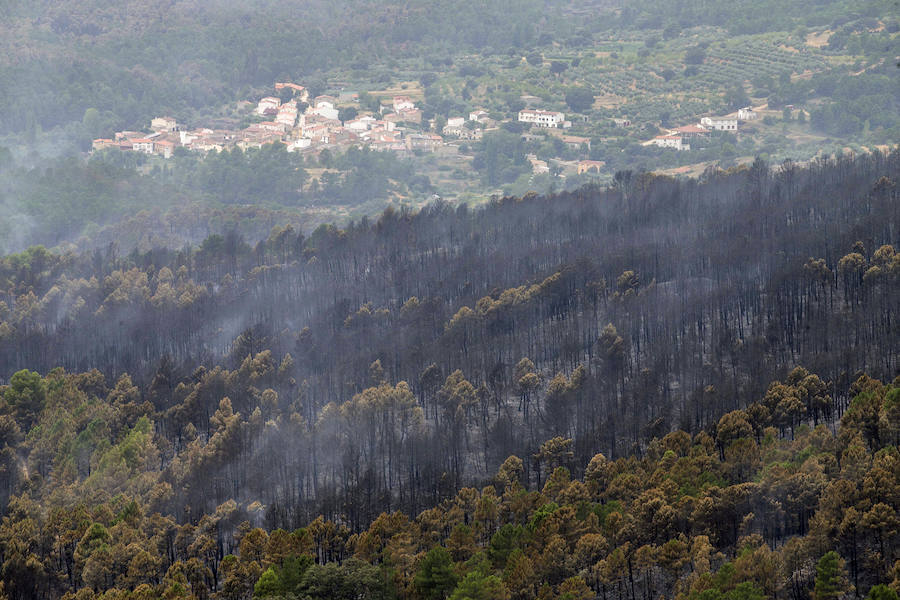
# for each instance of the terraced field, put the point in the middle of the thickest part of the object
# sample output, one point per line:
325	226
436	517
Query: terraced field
755	58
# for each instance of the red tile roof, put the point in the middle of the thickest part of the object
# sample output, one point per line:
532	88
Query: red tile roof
690	129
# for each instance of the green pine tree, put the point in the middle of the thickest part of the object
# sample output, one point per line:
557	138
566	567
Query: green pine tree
435	578
831	577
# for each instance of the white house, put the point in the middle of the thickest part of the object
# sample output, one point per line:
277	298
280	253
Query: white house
542	118
142	145
670	141
361	123
403	103
719	123
478	115
327	112
186	138
455	122
317	132
287	114
299	144
324	107
747	114
267	103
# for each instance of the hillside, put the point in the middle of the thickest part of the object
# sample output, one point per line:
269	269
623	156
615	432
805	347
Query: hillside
819	76
741	512
449	300
387	365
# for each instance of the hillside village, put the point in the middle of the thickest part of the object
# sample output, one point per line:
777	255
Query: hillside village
305	125
337	122
573	102
679	138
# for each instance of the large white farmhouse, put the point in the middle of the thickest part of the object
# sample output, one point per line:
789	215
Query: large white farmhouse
747	114
542	118
402	103
670	141
719	123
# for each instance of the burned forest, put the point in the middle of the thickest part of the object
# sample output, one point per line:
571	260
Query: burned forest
664	374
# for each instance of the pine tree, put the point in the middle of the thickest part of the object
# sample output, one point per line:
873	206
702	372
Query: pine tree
831	578
436	579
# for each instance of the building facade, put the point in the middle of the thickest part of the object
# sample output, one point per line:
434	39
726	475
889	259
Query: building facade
670	141
542	118
719	124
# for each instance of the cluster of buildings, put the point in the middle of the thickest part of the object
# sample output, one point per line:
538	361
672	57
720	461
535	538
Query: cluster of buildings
299	123
320	124
581	167
471	129
305	124
163	141
680	137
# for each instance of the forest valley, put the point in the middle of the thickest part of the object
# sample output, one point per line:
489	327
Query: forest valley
313	416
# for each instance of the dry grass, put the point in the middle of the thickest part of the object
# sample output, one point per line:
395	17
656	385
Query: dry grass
413	89
317	172
804	137
686	170
818	39
609	101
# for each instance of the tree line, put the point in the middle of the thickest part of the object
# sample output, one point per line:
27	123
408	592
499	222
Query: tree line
390	364
708	283
740	510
